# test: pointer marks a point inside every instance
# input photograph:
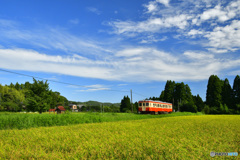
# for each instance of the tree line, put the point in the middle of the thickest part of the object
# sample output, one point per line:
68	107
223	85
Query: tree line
221	98
34	97
37	97
180	95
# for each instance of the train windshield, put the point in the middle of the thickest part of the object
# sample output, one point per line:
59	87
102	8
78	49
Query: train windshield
147	104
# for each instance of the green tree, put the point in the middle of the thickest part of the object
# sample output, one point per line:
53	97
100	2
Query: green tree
125	104
40	98
214	89
198	102
135	108
179	94
206	109
227	94
188	107
169	91
17	86
236	91
161	98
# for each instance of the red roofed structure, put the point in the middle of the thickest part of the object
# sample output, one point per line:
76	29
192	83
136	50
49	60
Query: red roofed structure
52	110
60	109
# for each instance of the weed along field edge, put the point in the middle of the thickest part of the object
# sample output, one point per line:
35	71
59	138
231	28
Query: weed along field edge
182	137
32	120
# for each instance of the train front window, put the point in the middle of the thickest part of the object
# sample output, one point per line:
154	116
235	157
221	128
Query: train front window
143	104
147	104
140	104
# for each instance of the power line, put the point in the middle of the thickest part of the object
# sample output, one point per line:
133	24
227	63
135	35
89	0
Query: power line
3	70
139	94
59	81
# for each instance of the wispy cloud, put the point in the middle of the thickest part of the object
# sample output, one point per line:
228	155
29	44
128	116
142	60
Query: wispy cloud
94	10
74	21
216	22
96	87
52	39
134	65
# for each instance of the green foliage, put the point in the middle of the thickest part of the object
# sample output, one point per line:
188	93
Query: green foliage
221	98
236	91
35	96
161	98
28	120
206	109
125	104
169	91
214	89
198	102
180	95
188	107
227	94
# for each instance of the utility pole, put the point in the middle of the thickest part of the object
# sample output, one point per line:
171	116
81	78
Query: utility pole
178	105
131	101
173	105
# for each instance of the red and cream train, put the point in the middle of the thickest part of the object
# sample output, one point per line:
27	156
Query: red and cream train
154	107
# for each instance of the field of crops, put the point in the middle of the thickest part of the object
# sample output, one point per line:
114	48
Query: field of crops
182	137
29	120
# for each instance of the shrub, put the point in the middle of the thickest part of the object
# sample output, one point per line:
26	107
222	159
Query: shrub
206	109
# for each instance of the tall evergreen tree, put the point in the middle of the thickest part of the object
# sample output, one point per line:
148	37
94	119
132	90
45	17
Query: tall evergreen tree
169	91
179	93
198	102
236	90
214	89
125	104
227	94
161	98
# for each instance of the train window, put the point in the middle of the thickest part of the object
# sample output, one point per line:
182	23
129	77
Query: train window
140	104
143	104
147	104
158	105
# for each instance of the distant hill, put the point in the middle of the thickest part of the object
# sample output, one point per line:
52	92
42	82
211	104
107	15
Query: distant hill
96	103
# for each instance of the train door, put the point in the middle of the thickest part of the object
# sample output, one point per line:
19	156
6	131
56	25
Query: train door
143	106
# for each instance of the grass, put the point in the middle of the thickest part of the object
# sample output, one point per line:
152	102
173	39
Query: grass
32	120
184	137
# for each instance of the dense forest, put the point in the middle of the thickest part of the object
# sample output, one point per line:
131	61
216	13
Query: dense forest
221	98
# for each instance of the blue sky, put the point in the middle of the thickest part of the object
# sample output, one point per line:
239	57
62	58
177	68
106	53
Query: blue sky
112	46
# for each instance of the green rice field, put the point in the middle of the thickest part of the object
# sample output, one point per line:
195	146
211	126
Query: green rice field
32	120
179	137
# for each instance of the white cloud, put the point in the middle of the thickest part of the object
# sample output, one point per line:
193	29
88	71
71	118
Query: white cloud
213	21
74	21
164	2
146	64
199	56
152	25
53	39
216	12
152	39
94	10
225	38
96	87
